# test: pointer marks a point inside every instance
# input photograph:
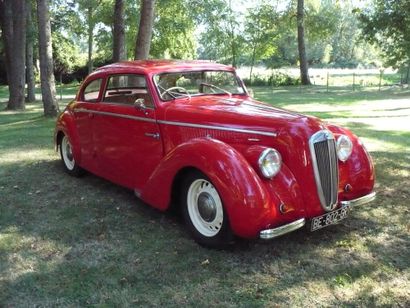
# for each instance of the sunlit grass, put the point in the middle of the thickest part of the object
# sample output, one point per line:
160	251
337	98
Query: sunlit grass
85	242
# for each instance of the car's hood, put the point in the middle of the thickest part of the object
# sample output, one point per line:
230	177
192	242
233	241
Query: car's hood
239	113
286	131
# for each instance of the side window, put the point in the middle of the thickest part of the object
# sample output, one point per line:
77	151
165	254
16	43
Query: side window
92	90
126	89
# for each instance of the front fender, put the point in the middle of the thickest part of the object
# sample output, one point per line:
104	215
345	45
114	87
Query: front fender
247	202
357	172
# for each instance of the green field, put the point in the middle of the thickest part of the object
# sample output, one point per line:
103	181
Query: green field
66	241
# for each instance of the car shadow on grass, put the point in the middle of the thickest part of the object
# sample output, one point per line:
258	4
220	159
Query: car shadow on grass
87	241
70	241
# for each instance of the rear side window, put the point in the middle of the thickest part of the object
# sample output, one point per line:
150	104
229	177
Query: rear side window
92	91
126	89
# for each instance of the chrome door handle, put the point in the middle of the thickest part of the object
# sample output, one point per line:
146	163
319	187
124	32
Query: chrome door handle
153	135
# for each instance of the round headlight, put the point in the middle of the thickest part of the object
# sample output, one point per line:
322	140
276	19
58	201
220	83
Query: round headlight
270	162
344	147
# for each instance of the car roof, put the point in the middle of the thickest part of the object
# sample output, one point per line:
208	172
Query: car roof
156	66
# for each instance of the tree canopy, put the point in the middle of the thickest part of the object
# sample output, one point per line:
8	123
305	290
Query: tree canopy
237	32
387	24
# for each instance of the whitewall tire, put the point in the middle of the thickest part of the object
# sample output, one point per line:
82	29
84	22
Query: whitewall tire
204	213
67	157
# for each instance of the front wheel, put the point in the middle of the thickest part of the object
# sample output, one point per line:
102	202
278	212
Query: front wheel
66	152
204	213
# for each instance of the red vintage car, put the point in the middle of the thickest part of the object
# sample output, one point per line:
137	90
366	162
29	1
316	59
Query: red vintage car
187	133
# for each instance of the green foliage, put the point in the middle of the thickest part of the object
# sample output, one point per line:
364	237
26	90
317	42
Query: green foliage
322	19
66	54
261	32
237	32
174	29
332	36
275	79
221	38
387	24
287	49
65	17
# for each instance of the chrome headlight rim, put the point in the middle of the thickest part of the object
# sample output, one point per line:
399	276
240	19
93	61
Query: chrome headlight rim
344	147
270	171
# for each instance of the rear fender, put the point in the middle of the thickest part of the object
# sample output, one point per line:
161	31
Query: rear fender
66	125
245	197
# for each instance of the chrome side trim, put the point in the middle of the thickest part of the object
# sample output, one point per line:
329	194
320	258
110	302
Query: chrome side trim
229	129
81	110
184	124
272	233
117	115
359	201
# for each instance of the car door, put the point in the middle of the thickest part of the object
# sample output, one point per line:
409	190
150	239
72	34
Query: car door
127	134
84	112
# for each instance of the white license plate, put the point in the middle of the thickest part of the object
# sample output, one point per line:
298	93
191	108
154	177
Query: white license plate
329	218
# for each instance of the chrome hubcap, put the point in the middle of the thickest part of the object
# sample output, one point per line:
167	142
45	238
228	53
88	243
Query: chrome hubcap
69	152
206	207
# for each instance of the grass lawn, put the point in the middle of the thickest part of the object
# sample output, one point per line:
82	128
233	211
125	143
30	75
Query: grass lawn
81	242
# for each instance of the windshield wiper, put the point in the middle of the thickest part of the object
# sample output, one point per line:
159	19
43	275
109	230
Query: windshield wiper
216	87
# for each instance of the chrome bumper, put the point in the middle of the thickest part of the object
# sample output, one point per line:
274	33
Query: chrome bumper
297	224
359	201
272	233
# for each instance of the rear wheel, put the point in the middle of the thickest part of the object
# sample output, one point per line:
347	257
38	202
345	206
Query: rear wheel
204	213
66	152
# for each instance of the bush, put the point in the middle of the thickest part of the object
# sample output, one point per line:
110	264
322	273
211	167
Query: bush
276	79
344	63
80	72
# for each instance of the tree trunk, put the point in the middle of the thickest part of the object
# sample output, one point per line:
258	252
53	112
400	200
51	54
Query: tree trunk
13	25
143	42
252	63
30	77
304	75
90	39
119	52
233	49
48	87
232	35
6	31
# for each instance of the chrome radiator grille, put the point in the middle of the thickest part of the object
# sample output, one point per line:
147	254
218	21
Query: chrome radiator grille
324	157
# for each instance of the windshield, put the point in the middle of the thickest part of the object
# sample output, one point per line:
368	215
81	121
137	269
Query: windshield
173	85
